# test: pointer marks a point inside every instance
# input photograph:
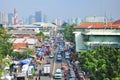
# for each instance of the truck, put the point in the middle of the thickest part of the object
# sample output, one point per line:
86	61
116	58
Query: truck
26	69
46	69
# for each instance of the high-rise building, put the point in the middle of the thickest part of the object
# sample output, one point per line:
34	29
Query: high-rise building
38	16
73	20
58	22
15	17
31	19
3	17
78	21
10	18
45	18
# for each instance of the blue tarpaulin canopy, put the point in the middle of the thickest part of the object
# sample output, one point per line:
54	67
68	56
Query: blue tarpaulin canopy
40	54
48	44
42	50
26	61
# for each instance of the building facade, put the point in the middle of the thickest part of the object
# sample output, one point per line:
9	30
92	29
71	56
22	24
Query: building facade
89	35
10	18
38	16
3	17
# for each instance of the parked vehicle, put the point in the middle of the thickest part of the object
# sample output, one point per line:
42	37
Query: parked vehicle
25	68
72	74
58	74
51	55
46	69
6	76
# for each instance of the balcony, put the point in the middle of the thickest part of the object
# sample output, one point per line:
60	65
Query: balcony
110	32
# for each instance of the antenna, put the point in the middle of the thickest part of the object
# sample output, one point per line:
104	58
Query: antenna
111	19
105	21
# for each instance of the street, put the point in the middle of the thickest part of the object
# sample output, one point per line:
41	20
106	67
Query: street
54	65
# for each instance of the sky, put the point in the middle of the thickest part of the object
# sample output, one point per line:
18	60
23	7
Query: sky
63	9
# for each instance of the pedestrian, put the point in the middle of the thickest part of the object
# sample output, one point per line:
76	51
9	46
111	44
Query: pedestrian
39	78
40	71
65	73
36	78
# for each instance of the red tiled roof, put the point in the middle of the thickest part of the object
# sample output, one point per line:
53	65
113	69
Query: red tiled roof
116	24
20	45
94	25
39	37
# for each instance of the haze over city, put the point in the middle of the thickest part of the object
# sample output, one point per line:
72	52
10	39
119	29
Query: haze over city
63	9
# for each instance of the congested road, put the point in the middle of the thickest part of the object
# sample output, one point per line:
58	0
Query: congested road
54	65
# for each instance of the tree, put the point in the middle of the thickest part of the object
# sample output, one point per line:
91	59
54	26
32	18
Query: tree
103	63
64	25
40	34
6	45
23	55
5	48
68	33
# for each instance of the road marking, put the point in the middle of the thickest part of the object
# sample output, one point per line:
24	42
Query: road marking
55	52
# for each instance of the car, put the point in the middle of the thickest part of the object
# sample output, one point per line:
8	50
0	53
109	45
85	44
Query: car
72	74
61	49
51	55
67	55
59	52
59	57
58	74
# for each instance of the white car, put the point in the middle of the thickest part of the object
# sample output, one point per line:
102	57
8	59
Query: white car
58	74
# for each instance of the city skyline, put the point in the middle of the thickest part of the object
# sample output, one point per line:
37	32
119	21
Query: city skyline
63	9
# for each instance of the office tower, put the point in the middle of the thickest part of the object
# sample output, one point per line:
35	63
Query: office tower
78	21
15	17
3	17
45	18
73	20
58	22
38	16
31	19
10	18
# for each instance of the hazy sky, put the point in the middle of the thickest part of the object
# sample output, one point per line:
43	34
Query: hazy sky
64	9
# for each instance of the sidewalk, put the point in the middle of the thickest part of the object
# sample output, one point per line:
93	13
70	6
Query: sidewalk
39	67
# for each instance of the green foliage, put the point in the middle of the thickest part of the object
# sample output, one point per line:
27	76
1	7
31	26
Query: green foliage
64	25
5	44
40	34
23	55
103	63
5	49
46	37
68	33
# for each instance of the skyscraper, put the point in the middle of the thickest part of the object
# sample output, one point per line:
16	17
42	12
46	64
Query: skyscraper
58	22
78	21
45	18
15	17
3	17
10	18
38	16
31	19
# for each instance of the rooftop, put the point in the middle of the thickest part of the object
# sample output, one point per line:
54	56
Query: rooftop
99	25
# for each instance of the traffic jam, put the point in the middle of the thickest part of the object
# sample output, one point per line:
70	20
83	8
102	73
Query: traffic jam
51	61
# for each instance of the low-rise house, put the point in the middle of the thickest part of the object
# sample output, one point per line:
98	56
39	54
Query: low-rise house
22	43
22	33
20	46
